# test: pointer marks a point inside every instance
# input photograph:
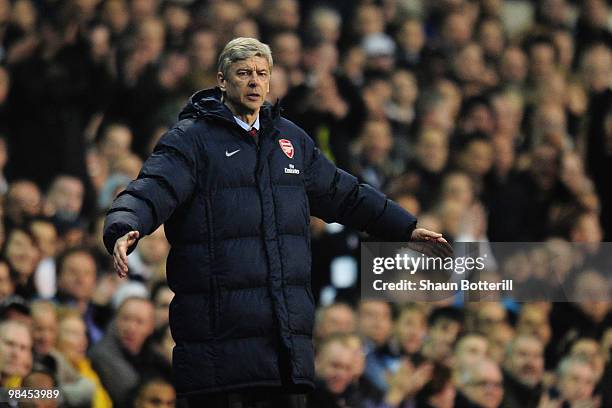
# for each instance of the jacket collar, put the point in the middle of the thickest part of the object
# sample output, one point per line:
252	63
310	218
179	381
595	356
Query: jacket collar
207	103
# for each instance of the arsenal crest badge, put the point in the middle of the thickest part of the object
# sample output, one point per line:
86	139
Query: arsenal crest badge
287	147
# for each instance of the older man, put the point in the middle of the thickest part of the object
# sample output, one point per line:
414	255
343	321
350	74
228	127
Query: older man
576	381
523	372
15	352
480	385
123	358
235	184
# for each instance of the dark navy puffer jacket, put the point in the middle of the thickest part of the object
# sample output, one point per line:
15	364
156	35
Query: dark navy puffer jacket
236	214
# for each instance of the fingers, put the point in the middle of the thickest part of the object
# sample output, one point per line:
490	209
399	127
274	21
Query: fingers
132	236
119	270
431	234
440	249
123	256
120	258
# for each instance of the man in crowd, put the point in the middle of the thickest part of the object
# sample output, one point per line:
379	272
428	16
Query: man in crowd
123	358
15	353
576	381
480	385
523	371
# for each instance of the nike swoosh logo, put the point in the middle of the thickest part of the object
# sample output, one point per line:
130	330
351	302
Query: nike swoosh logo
232	153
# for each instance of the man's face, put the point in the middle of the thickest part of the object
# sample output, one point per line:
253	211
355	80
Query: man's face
116	143
411	328
23	198
338	319
46	236
486	388
490	316
534	321
44	330
287	50
577	383
335	365
67	197
246	85
526	363
470	350
72	338
135	323
375	321
15	351
78	276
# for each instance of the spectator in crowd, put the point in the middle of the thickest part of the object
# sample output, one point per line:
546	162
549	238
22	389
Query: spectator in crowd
334	318
480	385
334	367
470	348
15	353
115	143
590	350
47	239
77	390
156	392
375	323
22	254
72	343
328	106
123	358
410	330
445	325
375	166
523	372
76	284
23	200
576	381
64	200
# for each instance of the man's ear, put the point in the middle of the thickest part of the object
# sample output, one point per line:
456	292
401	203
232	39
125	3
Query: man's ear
221	81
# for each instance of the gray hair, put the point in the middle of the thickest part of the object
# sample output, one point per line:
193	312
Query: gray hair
6	325
323	12
569	361
242	48
467	373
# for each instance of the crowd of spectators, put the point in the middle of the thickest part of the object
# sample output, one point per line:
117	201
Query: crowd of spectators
490	120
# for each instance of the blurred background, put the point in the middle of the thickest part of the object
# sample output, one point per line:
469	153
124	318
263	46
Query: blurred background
490	120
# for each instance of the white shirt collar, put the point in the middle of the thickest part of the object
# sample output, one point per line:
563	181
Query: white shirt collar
245	125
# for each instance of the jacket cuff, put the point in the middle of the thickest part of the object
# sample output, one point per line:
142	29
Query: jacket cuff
115	230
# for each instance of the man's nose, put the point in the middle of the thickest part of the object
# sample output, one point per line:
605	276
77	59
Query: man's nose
254	79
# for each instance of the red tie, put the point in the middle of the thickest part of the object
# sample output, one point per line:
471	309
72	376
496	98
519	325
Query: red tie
252	132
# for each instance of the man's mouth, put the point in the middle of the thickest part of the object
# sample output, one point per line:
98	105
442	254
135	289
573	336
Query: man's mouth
253	96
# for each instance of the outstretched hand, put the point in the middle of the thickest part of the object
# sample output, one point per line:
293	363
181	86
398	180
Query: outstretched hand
430	243
120	261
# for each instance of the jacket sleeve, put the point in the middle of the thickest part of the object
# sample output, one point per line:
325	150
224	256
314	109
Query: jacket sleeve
167	179
337	196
